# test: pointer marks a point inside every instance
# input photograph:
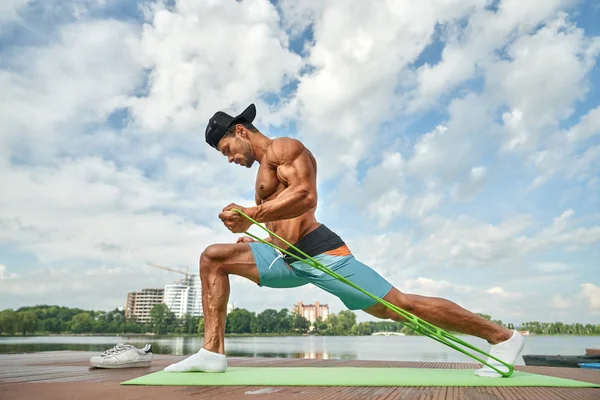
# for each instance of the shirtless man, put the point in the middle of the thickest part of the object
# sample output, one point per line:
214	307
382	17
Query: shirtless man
286	200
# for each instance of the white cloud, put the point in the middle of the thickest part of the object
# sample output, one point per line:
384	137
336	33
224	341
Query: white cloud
203	60
465	242
499	291
382	201
377	178
469	188
5	274
98	212
538	91
569	157
384	252
387	207
384	192
560	302
588	295
526	85
552	267
51	92
428	150
9	10
451	151
591	293
588	126
468	50
478	173
541	80
430	287
568	164
423	205
563	231
517	133
359	51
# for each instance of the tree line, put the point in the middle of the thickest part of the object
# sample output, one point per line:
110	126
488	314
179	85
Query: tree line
50	319
558	328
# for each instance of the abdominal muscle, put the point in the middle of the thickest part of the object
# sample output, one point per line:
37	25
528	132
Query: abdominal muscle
292	229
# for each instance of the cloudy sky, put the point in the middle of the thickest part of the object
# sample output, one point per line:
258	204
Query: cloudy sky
458	144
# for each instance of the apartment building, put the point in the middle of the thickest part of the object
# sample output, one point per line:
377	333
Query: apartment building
139	304
185	297
312	311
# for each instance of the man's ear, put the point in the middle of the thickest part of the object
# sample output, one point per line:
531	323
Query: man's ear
240	131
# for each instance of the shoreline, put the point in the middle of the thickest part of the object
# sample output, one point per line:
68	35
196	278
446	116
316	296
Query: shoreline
233	335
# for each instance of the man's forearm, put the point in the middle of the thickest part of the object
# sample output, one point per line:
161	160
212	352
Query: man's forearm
285	206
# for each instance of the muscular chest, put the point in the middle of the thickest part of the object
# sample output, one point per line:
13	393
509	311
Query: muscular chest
267	183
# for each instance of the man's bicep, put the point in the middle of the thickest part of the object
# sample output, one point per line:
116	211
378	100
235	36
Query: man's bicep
294	166
299	172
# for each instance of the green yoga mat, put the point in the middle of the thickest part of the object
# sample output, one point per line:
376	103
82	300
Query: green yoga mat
347	376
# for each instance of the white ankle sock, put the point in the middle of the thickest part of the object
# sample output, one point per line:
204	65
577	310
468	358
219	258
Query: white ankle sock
202	361
507	351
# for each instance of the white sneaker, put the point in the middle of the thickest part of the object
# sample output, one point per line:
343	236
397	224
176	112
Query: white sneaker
123	356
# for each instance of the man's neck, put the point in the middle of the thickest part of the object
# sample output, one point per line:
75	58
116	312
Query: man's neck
260	144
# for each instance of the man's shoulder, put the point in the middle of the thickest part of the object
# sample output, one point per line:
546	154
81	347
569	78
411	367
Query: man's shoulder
285	142
283	148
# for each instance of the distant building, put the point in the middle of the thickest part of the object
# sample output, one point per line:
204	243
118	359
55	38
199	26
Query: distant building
139	304
184	297
312	311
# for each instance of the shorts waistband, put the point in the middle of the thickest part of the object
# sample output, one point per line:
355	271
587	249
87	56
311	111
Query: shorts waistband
319	241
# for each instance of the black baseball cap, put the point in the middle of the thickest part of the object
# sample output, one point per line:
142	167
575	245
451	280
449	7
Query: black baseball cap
220	122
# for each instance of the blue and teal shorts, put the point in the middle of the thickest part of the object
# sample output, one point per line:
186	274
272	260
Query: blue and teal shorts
275	272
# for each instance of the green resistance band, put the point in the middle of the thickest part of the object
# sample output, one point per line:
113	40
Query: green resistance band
417	324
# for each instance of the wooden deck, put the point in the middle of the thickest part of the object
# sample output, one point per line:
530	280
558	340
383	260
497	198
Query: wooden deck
67	375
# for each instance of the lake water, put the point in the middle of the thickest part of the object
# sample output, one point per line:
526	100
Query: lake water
391	348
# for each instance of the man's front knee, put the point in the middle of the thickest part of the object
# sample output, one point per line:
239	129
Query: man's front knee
210	257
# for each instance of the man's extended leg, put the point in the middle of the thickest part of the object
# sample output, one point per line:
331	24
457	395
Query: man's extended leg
216	263
506	344
442	313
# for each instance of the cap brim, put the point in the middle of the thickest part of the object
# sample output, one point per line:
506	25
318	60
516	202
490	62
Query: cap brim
247	115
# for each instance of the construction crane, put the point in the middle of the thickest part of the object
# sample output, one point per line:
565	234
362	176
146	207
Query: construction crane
186	273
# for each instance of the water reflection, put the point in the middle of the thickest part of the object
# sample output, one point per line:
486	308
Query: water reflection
313	355
272	347
400	348
259	354
178	345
